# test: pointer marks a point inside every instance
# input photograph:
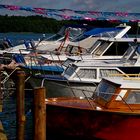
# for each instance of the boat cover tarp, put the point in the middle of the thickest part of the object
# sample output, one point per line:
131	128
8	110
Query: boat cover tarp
45	68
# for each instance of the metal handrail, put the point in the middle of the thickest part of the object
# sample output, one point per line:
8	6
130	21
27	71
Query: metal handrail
8	76
124	74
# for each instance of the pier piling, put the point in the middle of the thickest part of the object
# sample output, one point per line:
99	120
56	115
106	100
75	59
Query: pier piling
1	96
20	86
39	114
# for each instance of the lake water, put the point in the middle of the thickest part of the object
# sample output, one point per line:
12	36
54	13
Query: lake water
17	38
8	116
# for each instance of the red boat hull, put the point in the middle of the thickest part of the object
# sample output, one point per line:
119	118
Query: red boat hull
89	124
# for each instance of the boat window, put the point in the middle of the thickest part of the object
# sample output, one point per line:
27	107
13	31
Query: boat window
110	33
70	70
100	49
108	72
74	50
117	48
86	73
127	53
130	53
105	90
96	44
67	62
69	48
133	97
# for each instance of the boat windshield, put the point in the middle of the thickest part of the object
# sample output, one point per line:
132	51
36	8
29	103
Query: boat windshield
105	90
101	48
73	32
68	61
109	33
130	53
70	70
133	97
95	45
55	37
86	73
79	38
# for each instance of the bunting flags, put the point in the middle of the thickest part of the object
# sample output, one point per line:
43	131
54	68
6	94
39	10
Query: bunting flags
68	14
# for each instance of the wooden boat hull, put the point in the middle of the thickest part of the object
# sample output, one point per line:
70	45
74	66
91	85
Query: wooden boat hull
89	124
64	89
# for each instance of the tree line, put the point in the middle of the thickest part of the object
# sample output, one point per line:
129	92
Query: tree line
40	24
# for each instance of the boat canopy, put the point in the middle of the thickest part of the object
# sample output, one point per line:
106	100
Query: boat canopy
97	31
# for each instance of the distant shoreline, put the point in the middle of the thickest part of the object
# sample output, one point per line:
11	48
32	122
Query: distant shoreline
40	24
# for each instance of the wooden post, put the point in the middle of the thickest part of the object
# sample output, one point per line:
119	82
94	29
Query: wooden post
39	114
1	96
20	86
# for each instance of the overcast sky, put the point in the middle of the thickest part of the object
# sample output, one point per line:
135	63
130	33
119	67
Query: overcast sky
95	5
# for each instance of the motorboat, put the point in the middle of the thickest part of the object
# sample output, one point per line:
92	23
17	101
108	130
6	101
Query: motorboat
83	75
104	48
111	113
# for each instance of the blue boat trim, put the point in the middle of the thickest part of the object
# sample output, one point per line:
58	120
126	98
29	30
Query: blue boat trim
45	68
52	77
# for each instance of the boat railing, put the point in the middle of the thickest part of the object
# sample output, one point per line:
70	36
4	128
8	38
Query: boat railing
53	59
73	89
6	80
91	96
107	97
34	61
7	76
125	75
56	63
66	86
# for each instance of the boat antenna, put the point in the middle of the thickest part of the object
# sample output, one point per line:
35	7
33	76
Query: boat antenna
40	40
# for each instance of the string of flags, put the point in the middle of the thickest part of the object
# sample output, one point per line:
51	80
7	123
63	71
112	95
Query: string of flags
68	14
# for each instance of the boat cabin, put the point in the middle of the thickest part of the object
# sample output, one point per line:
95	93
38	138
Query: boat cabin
118	93
112	113
92	42
89	73
94	70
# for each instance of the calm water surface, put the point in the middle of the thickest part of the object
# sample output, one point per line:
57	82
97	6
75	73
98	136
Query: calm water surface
19	37
8	118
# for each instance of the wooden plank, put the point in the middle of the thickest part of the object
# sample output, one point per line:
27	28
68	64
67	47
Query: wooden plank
0	106
2	133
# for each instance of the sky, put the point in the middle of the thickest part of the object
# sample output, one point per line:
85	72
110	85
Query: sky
93	5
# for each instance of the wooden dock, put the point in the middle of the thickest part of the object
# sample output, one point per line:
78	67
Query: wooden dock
2	133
